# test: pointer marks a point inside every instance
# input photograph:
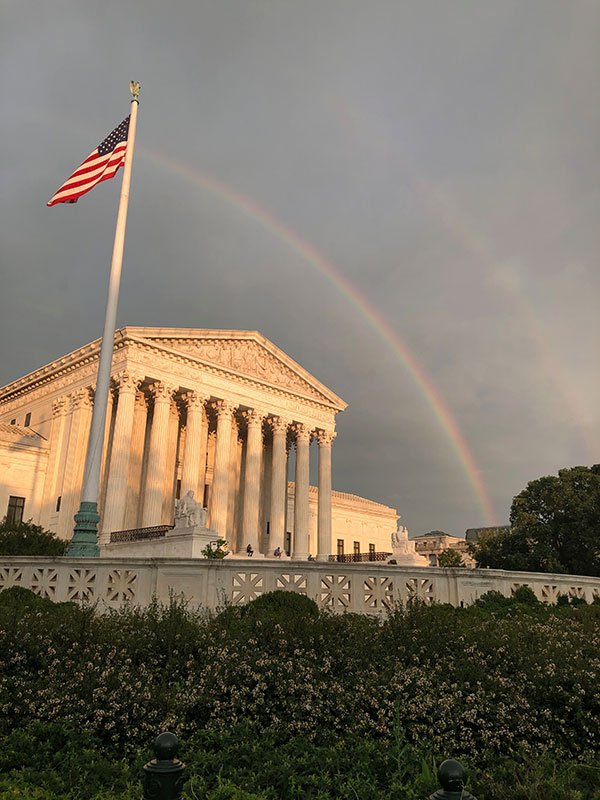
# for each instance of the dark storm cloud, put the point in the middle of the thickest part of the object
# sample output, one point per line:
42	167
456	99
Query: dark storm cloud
442	156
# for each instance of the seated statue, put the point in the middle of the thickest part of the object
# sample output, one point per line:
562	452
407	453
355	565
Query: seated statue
189	513
400	543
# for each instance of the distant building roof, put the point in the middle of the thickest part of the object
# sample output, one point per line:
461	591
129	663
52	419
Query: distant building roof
434	534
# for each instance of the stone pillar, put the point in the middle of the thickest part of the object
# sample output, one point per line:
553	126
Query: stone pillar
81	416
157	455
134	480
324	438
194	455
278	485
118	469
301	508
60	409
250	515
171	465
220	486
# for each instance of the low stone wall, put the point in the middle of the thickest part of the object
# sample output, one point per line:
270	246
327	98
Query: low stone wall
366	588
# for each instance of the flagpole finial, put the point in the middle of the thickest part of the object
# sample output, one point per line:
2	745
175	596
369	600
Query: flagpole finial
134	87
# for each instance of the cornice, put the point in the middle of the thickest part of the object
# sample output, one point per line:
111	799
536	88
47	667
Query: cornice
353	500
128	338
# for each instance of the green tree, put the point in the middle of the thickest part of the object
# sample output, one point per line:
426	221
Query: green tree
555	527
450	558
27	539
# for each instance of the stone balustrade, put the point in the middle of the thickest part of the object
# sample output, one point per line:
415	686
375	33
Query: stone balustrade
364	588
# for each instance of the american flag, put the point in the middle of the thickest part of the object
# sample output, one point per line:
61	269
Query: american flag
100	165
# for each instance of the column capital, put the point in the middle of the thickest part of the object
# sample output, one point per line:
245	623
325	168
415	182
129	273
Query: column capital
141	399
254	416
302	431
127	382
278	424
162	392
325	438
195	400
60	406
81	398
224	409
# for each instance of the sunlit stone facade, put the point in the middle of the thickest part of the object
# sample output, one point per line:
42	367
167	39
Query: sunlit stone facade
209	411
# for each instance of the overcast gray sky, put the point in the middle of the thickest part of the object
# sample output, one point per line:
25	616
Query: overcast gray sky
403	196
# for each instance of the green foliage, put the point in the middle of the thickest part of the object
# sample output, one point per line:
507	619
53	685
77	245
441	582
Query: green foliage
217	549
27	539
450	558
526	596
278	699
282	604
555	527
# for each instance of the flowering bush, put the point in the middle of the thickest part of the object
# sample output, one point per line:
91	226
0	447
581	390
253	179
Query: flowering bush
494	684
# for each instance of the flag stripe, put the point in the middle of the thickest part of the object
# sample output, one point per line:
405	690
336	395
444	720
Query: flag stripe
102	164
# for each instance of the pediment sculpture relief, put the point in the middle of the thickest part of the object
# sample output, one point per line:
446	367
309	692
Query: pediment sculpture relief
246	357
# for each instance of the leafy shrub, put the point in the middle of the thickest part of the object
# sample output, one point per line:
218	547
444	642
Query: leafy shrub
526	596
27	539
281	700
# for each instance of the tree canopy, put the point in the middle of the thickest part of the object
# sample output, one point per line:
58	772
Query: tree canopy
450	558
555	527
27	539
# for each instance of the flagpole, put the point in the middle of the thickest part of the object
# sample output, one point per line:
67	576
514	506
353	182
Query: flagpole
85	534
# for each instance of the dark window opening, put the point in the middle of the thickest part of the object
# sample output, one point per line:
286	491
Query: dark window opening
340	547
205	498
356	548
371	552
58	499
13	422
288	543
28	419
178	489
16	506
268	531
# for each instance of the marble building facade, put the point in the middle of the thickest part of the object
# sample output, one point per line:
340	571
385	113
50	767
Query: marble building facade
209	411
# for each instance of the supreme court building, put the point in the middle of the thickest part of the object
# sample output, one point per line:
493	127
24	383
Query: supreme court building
209	411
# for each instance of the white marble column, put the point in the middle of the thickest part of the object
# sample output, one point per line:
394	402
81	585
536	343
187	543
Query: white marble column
157	455
220	486
194	455
301	507
171	465
232	486
278	485
250	514
118	470
136	458
325	439
60	409
81	416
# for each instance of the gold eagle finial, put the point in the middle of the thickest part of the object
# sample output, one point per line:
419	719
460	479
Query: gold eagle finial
134	86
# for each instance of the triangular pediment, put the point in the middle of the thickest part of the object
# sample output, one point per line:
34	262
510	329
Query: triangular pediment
244	353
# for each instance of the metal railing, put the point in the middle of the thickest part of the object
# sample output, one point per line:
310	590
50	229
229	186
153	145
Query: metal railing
140	534
356	558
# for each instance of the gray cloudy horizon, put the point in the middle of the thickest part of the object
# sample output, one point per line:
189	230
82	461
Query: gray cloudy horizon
441	158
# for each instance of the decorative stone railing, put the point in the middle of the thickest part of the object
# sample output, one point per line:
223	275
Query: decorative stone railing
365	588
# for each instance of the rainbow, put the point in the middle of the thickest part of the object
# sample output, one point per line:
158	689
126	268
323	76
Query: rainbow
379	325
372	135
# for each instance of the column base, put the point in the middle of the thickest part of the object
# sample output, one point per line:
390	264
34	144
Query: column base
84	543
